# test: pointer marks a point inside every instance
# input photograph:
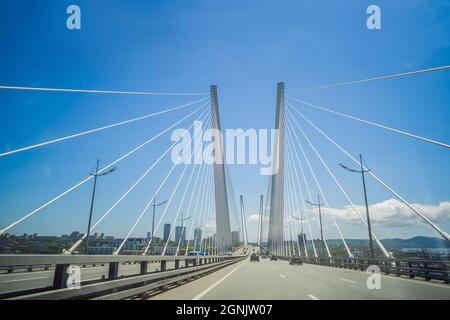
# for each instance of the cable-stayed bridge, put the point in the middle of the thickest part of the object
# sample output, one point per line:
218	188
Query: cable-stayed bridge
214	263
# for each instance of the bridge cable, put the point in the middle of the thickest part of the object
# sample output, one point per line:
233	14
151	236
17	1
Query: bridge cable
398	75
290	140
326	201
75	135
428	221
289	153
165	211
210	218
201	217
386	254
290	202
149	203
102	91
182	200
291	193
195	191
190	202
200	191
299	188
307	188
441	144
204	210
188	235
74	187
131	188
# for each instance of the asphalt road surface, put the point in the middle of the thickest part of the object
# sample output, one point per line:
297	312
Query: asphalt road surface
272	280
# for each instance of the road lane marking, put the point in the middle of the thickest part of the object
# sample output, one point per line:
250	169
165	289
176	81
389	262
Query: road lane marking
199	296
271	268
283	276
313	297
27	279
385	276
346	280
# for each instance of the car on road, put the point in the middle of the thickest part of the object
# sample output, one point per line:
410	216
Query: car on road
296	260
254	257
273	258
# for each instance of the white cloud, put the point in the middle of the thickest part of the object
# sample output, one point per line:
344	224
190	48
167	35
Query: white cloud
255	218
395	213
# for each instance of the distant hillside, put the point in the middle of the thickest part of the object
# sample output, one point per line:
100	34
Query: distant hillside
415	242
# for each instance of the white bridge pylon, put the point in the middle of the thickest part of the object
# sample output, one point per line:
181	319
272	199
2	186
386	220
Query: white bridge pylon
276	218
224	241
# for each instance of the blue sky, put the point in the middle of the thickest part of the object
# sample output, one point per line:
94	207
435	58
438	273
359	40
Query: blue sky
245	47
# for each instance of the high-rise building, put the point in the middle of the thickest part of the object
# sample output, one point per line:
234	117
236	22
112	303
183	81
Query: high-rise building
180	234
197	238
149	235
166	232
235	238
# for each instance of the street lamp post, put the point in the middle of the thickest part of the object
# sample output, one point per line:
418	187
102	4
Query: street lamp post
96	174
362	171
154	205
301	231
319	205
183	233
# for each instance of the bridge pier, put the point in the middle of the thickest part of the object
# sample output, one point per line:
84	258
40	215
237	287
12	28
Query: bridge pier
113	270
163	265
144	267
61	276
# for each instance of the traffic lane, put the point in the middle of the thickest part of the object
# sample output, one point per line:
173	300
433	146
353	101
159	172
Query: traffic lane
40	279
269	280
354	285
192	289
264	280
315	282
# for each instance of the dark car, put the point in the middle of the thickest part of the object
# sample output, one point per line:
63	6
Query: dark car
254	257
295	260
273	258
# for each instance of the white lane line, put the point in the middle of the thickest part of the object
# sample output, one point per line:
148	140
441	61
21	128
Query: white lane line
283	276
27	279
313	297
199	296
393	277
346	280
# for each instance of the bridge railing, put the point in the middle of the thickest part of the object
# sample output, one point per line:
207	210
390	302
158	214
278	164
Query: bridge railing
143	280
427	269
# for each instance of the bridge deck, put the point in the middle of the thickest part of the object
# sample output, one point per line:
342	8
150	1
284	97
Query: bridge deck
278	280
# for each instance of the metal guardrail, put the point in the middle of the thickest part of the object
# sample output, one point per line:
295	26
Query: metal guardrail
427	269
112	285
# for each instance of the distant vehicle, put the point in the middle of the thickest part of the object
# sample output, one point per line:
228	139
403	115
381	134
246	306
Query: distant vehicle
273	258
194	253
229	253
254	257
263	256
295	260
